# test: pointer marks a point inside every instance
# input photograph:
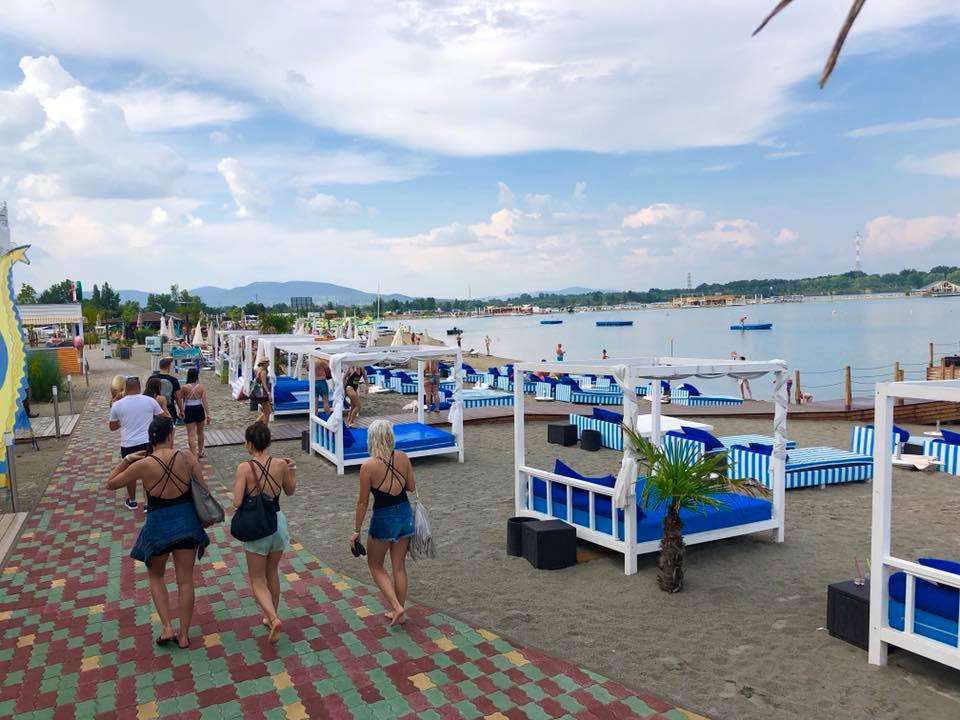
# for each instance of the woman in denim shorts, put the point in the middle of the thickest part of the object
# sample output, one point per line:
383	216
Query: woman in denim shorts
271	477
388	476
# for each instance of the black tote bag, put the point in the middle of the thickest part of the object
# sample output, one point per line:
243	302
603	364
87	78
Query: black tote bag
256	518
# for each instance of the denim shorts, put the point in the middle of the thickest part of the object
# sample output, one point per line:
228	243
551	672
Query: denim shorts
391	523
280	540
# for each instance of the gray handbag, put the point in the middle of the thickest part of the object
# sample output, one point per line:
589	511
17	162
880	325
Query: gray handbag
209	511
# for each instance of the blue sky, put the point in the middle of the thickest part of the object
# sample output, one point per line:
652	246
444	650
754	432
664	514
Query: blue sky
429	145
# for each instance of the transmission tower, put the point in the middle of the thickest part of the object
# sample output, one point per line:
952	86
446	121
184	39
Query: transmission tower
858	251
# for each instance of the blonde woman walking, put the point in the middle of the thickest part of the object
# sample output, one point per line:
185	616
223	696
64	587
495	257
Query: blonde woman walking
388	476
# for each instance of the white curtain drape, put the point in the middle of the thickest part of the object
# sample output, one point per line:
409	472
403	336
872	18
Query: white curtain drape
623	490
456	406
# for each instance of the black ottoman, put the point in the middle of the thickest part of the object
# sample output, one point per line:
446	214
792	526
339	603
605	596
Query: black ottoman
591	440
562	434
305	441
515	535
550	544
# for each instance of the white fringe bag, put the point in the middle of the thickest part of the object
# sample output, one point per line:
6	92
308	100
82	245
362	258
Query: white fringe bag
421	544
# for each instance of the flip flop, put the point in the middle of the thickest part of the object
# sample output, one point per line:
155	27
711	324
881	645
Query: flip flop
165	640
275	627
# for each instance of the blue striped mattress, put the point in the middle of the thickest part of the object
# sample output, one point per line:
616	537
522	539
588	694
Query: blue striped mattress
680	396
485	398
805	467
947	454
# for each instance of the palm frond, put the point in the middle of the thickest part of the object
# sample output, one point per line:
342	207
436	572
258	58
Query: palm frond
834	56
679	476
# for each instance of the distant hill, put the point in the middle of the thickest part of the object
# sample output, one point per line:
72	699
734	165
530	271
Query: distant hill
273	293
575	290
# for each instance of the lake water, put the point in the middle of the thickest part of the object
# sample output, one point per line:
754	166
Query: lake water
818	338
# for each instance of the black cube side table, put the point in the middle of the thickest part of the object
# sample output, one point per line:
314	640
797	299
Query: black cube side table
562	434
550	544
848	612
591	440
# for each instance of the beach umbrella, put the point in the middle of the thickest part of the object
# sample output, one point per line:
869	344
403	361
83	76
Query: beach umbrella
373	335
197	335
162	330
139	321
397	337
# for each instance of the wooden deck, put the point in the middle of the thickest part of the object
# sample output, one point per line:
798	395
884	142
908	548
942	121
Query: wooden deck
43	427
283	430
9	529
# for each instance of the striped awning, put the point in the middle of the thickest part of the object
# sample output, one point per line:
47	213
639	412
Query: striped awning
40	314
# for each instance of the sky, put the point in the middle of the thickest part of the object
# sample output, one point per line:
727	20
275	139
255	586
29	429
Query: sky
451	147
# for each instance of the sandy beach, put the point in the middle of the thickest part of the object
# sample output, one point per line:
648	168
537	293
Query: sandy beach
745	639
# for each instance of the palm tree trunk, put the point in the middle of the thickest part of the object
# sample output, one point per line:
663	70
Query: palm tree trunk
672	552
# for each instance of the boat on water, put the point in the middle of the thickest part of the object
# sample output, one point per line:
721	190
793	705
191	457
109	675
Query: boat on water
454	331
614	323
551	322
752	326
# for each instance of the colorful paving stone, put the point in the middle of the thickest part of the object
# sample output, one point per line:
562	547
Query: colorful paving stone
77	633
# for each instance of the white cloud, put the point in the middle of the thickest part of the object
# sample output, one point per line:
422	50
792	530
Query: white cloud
930	123
74	142
250	194
944	164
888	234
338	167
150	109
540	203
722	167
786	236
478	77
739	233
323	204
505	196
218	137
663	213
580	191
785	154
159	216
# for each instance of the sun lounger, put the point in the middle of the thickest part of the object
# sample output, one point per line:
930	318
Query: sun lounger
946	449
687	394
570	391
608	424
805	467
413	438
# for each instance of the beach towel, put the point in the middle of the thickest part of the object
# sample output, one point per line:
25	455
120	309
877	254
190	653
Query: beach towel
421	544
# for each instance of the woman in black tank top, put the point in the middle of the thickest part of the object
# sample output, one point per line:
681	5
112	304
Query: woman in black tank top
172	526
388	476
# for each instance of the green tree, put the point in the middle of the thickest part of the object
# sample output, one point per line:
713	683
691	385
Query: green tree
62	292
27	295
681	478
95	296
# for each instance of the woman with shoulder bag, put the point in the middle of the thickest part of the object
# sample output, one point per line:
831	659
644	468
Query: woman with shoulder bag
261	392
172	526
260	523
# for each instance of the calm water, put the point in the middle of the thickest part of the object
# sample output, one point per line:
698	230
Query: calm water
814	337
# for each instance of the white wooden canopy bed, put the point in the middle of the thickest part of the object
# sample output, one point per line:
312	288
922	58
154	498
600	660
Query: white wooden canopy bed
597	507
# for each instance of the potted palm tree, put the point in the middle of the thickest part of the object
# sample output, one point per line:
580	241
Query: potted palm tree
680	478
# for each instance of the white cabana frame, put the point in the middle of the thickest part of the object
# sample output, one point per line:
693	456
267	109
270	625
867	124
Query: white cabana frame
883	564
297	348
230	343
367	356
629	373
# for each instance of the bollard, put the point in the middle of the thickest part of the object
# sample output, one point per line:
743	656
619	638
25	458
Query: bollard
10	442
930	349
56	411
796	386
70	392
847	388
86	371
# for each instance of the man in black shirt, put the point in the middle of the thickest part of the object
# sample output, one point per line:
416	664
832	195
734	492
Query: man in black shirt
170	387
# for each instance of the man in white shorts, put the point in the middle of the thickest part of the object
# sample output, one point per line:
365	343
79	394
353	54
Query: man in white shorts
132	415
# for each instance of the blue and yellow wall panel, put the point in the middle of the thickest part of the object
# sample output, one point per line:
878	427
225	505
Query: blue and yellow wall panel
13	358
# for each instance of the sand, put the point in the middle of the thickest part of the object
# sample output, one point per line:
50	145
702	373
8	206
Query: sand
744	639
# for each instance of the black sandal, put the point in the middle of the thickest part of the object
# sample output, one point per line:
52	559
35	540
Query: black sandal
165	640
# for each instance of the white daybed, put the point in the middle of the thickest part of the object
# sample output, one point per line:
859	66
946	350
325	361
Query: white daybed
547	495
290	393
344	446
913	605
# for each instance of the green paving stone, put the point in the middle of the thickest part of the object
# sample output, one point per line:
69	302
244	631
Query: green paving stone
211	712
601	694
501	701
168	706
674	714
288	696
638	706
568	703
469	689
566	683
435	697
467	710
532	711
533	691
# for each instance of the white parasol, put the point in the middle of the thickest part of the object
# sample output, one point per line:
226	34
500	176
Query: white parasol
397	337
198	335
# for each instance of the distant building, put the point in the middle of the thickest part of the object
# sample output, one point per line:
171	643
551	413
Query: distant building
717	300
301	303
941	288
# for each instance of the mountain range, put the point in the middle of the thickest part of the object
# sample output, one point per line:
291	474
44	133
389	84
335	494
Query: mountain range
273	293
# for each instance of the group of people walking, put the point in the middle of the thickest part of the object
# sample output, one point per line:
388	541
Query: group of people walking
173	479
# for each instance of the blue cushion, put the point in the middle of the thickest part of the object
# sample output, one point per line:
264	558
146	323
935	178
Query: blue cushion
930	597
607	415
348	438
761	448
950	566
950	437
468	368
665	387
900	433
690	389
708	440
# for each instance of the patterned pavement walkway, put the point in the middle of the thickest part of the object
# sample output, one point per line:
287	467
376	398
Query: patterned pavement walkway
77	628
